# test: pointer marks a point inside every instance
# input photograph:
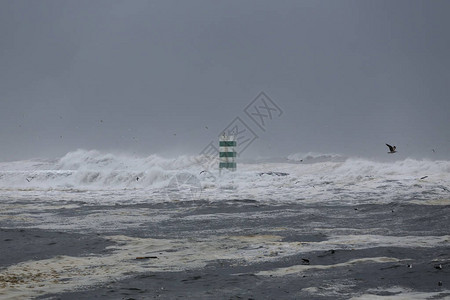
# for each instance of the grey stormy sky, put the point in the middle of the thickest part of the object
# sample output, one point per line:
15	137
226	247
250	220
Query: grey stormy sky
167	76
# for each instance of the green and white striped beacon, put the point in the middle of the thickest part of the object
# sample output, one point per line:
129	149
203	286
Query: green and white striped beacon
227	152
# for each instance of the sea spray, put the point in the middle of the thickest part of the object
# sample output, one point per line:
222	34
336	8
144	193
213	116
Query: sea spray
350	180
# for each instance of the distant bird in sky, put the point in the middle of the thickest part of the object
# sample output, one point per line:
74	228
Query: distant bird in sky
391	149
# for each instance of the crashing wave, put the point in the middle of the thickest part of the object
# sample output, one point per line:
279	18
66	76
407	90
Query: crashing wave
320	177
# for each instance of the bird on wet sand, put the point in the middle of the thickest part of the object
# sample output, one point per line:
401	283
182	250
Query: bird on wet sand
391	149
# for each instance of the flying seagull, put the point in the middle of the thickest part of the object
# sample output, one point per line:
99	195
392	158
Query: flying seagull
391	149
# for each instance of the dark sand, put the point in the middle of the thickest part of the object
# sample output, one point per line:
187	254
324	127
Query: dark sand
228	279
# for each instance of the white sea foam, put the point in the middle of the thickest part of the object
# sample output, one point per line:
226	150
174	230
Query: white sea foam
60	273
93	178
399	293
329	179
303	268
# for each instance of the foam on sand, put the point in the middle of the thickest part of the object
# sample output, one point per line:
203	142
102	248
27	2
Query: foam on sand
302	268
399	293
65	273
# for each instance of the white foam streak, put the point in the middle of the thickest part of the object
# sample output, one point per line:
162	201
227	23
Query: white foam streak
399	293
303	268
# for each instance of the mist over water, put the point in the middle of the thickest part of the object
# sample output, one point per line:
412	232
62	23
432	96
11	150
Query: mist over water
305	177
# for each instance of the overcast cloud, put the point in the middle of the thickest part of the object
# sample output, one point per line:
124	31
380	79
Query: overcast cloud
168	76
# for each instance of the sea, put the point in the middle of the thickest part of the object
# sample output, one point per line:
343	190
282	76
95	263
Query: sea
93	225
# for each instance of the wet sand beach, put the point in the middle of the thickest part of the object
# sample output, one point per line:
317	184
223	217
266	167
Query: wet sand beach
234	249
